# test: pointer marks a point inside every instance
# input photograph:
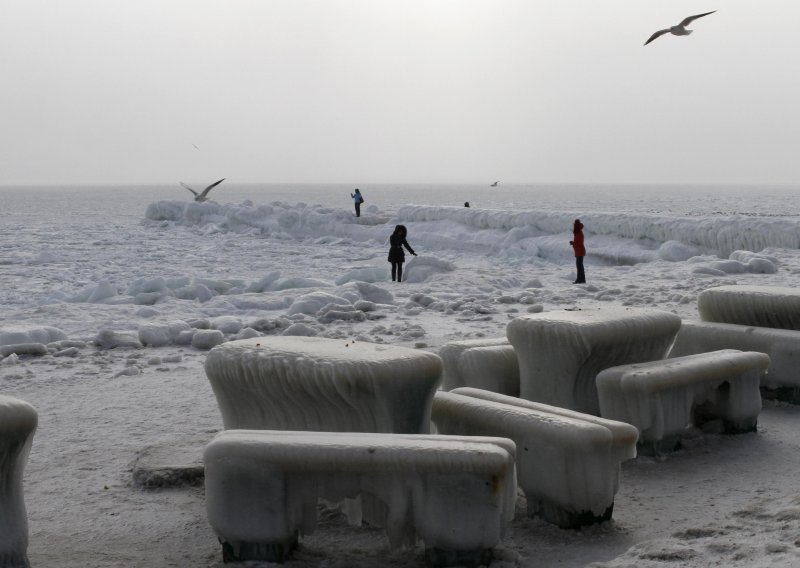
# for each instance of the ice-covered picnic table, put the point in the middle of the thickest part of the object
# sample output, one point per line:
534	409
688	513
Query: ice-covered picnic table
561	352
333	385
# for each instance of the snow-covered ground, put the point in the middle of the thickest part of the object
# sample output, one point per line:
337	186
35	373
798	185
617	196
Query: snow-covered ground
113	267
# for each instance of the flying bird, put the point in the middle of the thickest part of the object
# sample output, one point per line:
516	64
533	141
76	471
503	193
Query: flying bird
493	184
680	29
195	147
203	196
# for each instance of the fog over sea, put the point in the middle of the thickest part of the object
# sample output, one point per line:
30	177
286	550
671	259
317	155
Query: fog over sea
120	280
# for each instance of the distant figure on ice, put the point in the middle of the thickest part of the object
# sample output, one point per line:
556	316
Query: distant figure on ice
358	199
466	204
204	195
580	250
396	255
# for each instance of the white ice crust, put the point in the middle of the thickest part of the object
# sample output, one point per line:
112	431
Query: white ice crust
659	397
309	383
781	345
565	459
18	422
454	493
489	364
561	352
763	306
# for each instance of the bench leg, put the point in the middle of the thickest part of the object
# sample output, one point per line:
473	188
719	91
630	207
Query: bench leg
266	552
440	557
14	560
564	518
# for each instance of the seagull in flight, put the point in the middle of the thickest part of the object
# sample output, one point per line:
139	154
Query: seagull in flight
493	184
202	196
680	29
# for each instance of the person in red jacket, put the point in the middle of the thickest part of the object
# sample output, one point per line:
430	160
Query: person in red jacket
580	250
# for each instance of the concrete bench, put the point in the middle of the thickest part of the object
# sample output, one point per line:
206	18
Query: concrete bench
457	494
762	306
489	364
330	385
568	463
18	422
561	352
782	345
662	398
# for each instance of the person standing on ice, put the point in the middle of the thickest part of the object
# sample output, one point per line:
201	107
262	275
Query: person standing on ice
358	199
396	255
580	250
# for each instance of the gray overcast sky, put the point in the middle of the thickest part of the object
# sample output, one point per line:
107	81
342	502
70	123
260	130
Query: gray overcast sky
363	91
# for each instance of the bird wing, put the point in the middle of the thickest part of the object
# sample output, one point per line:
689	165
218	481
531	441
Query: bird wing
690	19
659	33
189	188
210	187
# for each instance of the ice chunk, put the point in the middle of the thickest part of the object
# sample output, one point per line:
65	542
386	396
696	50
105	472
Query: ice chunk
207	338
763	306
309	383
663	398
109	339
35	349
422	268
457	494
18	422
364	274
158	334
16	334
567	462
561	352
312	303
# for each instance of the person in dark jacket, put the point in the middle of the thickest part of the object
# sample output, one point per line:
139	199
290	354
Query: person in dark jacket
358	199
580	250
396	255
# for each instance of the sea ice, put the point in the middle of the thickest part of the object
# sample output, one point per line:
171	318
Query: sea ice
489	364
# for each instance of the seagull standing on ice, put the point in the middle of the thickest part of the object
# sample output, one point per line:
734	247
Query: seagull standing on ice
680	29
202	196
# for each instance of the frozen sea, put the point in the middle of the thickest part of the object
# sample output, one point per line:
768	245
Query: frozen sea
111	266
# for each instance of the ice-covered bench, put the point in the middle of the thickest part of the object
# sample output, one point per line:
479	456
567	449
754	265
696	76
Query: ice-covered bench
782	346
561	352
457	494
18	421
333	385
568	463
489	364
663	398
763	306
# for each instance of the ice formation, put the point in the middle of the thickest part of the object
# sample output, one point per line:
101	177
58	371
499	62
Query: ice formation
309	383
18	422
568	463
455	493
782	346
561	352
20	333
763	306
489	364
663	398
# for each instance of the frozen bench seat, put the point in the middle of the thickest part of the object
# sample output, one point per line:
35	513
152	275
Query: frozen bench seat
489	364
762	306
457	494
330	385
561	352
18	421
782	346
662	398
568	463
